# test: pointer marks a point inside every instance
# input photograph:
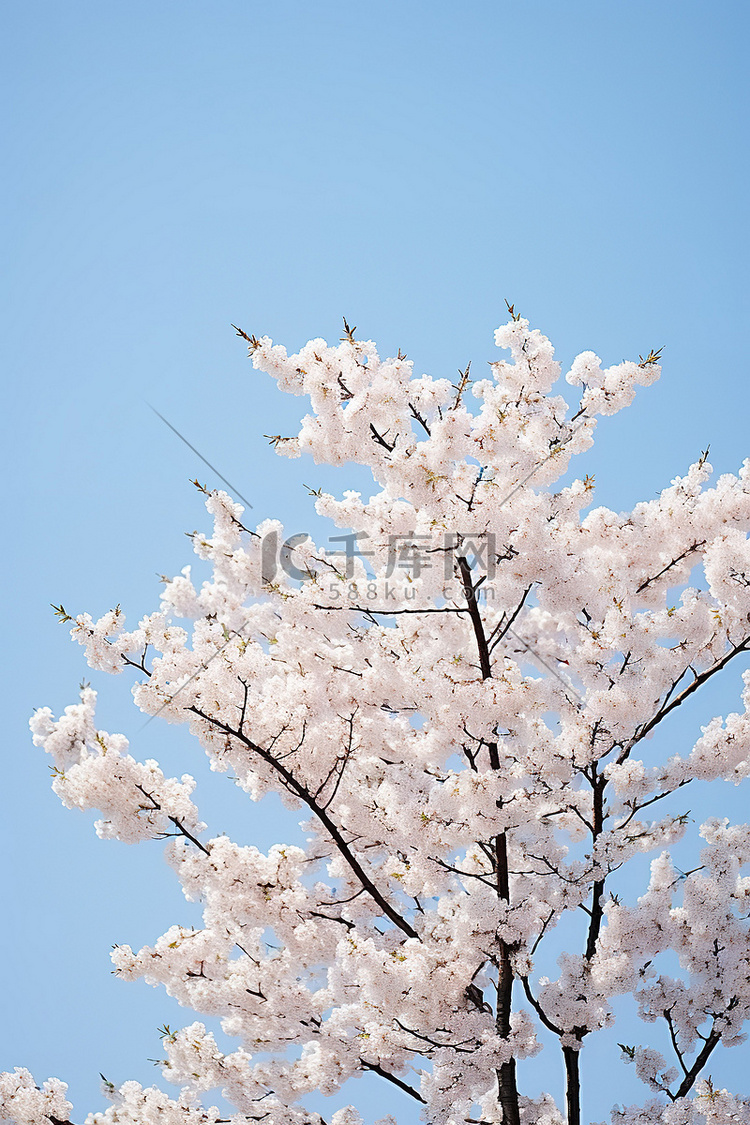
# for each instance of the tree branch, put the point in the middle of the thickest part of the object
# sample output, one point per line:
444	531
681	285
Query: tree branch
416	414
476	617
673	1037
331	828
539	1009
381	440
493	640
376	1068
173	819
597	909
664	569
700	1061
387	612
684	694
506	1072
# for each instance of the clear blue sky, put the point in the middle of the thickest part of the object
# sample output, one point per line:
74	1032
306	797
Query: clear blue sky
175	166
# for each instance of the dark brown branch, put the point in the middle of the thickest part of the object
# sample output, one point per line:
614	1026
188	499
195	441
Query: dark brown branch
342	901
173	819
188	835
295	749
539	1009
486	879
381	440
417	415
571	1056
470	502
339	766
664	569
493	640
542	932
299	790
637	807
699	680
552	870
700	1061
673	1037
573	809
387	612
461	387
245	687
598	784
506	1072
572	1084
436	1044
476	617
376	1068
330	918
254	343
134	664
346	394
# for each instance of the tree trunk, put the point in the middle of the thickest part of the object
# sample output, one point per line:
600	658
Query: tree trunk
573	1086
506	1075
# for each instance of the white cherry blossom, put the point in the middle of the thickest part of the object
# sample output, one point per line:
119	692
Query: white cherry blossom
458	712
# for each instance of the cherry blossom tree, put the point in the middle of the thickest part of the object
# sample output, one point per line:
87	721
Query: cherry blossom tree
458	704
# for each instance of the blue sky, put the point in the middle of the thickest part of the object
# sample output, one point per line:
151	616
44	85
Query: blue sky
173	167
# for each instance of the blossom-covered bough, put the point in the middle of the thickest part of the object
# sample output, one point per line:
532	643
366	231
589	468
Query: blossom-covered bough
459	710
